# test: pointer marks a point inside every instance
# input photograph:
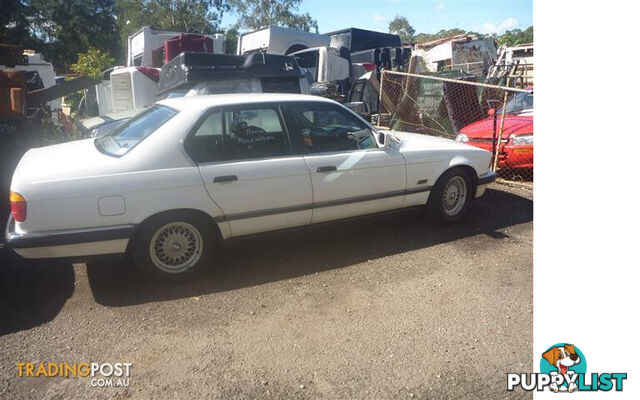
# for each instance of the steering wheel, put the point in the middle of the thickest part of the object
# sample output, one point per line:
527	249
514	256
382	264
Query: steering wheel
254	130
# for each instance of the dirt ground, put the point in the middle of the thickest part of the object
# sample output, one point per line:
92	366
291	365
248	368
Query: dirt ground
377	308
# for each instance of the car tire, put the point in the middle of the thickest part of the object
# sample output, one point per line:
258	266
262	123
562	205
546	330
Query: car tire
175	246
450	197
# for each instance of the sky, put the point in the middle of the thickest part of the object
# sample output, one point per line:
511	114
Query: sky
425	16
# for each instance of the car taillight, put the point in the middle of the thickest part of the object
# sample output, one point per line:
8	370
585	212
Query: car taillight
18	206
151	73
369	66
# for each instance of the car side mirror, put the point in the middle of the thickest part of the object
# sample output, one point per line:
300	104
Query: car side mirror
384	139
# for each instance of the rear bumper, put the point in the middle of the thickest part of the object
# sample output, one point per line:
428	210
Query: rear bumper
69	243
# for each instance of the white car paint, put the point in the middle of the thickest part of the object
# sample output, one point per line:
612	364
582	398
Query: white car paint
73	187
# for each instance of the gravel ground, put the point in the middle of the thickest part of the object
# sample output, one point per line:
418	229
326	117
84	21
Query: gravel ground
377	308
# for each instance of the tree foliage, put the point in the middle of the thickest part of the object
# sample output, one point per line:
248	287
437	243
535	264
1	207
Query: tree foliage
201	16
258	14
443	33
400	26
69	27
516	36
60	29
92	63
231	40
510	38
14	22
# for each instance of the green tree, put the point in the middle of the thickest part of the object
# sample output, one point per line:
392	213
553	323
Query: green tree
60	29
443	33
231	40
400	26
516	36
93	63
69	27
14	22
258	14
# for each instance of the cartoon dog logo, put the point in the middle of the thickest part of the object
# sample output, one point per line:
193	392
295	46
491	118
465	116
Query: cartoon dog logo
562	357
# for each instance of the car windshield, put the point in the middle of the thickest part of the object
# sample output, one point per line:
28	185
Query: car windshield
519	103
119	141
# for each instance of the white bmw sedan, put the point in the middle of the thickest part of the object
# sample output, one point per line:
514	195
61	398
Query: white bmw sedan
170	183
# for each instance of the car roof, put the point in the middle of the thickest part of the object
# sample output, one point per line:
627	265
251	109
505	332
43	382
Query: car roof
207	101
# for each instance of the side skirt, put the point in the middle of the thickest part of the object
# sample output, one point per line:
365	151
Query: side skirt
316	224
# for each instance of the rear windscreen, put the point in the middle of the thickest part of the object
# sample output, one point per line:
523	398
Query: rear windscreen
118	142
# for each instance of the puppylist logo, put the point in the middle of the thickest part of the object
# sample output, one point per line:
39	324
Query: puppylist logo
563	368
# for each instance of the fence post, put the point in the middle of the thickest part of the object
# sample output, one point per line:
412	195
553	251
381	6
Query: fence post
504	113
380	105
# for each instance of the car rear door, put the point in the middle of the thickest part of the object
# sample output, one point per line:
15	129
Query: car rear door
249	168
350	173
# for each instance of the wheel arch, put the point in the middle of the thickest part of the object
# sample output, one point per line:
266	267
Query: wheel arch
470	170
176	212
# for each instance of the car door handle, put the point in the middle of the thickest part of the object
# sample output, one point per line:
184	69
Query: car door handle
225	178
327	168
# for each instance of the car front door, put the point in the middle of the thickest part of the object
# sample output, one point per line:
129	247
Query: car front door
351	173
249	168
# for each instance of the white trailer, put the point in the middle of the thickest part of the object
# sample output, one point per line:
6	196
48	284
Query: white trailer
281	41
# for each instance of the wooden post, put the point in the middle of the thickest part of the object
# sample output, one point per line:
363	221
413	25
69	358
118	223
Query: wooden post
383	99
504	112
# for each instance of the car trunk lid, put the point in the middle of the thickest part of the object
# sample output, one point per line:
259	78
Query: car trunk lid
69	160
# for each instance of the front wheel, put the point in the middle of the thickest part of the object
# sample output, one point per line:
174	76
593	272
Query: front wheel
451	196
174	246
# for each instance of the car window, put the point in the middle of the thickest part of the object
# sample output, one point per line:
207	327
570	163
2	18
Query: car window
328	128
239	134
119	141
254	133
518	103
207	144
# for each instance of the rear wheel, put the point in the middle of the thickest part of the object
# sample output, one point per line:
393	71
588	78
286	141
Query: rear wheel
451	196
174	246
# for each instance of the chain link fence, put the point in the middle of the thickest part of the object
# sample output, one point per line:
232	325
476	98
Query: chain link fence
461	106
472	68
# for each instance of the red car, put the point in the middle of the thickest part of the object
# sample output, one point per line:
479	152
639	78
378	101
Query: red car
516	147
